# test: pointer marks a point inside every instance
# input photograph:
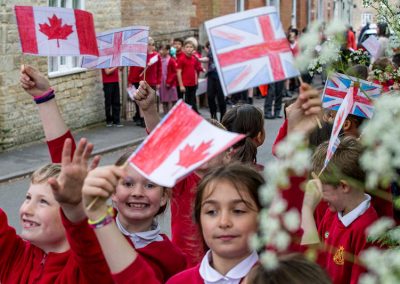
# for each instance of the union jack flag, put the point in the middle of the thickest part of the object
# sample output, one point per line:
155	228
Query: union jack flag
342	113
122	47
336	88
250	49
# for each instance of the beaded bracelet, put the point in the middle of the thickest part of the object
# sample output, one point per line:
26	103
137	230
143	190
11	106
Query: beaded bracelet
104	220
45	97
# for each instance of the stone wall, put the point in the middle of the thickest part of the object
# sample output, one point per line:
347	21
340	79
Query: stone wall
165	16
79	96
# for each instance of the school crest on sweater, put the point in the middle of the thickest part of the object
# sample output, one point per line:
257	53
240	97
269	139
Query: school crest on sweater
338	257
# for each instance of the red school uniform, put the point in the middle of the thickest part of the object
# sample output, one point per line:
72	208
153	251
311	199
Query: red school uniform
56	145
137	272
163	257
110	78
185	233
153	72
171	80
343	243
22	262
190	67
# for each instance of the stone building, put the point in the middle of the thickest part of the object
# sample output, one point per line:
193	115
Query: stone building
79	91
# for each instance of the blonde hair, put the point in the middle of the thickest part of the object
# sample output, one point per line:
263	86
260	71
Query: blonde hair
192	41
150	41
45	172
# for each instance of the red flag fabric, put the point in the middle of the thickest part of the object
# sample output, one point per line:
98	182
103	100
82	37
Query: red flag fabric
181	142
51	31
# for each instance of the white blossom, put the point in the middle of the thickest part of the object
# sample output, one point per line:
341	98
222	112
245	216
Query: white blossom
379	227
269	260
291	220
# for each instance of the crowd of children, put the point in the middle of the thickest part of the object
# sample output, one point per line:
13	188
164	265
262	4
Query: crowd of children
72	233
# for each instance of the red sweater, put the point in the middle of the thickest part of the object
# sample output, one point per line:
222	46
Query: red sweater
110	78
190	67
185	233
164	258
153	73
22	262
56	145
138	272
171	80
340	240
191	275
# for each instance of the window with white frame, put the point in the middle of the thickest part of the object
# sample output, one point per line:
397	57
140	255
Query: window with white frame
62	65
366	18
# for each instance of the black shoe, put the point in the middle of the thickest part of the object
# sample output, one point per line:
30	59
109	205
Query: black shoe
269	116
278	116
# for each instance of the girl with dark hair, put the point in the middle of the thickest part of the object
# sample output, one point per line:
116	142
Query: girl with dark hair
248	120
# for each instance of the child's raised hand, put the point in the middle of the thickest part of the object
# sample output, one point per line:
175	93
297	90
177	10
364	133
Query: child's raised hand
67	188
303	114
145	96
313	194
100	184
32	81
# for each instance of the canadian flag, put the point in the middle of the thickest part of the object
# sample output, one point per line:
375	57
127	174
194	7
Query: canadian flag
182	142
53	31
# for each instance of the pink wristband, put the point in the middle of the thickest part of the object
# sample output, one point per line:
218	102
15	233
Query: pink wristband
45	94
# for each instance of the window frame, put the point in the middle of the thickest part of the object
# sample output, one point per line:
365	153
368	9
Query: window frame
65	65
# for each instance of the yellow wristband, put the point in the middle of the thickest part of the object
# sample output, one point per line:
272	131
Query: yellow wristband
109	212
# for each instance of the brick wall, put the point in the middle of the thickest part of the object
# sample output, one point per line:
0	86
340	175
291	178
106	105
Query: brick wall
79	96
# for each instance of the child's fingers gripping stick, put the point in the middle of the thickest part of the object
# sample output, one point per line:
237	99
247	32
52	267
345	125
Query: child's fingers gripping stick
100	184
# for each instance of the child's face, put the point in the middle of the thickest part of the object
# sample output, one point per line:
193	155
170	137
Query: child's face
178	45
40	218
189	48
228	219
150	48
333	196
137	199
164	52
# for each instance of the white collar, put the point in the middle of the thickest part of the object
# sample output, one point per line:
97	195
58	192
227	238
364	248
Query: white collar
142	239
234	276
356	212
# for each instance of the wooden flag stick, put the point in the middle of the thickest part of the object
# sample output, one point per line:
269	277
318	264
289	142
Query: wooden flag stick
91	204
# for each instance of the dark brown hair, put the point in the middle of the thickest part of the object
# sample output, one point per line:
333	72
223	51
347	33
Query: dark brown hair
242	177
344	164
293	269
122	160
248	120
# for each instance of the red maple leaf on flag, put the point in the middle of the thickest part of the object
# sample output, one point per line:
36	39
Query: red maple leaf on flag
56	30
189	156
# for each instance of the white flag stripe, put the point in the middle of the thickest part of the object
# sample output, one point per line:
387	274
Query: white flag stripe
66	46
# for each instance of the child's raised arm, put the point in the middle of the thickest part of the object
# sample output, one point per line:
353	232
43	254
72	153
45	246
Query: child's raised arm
145	97
312	197
67	188
37	85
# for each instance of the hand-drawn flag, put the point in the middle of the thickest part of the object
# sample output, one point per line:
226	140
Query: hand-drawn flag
372	45
336	88
341	115
51	31
250	49
181	142
121	47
